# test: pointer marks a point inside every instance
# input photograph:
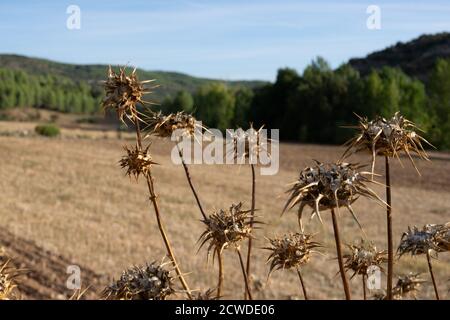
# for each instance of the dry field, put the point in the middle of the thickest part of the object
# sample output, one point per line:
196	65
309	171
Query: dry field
66	201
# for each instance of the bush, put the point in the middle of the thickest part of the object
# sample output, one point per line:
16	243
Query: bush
47	130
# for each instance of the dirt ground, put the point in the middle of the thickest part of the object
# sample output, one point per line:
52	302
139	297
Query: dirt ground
66	201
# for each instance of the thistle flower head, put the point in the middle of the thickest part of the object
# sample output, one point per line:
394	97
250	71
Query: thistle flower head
123	93
328	186
150	282
225	228
362	256
137	161
388	137
432	237
291	251
247	144
407	285
166	125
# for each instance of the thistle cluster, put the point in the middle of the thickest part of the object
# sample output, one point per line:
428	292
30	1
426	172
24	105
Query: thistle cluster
291	251
150	282
362	256
225	228
328	186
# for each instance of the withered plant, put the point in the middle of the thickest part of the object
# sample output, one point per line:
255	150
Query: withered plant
293	250
247	145
328	187
429	239
8	278
227	229
362	257
388	138
150	282
124	94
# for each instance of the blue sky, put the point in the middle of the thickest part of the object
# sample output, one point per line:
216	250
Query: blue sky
231	39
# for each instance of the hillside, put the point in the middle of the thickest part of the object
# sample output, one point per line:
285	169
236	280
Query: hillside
416	57
170	82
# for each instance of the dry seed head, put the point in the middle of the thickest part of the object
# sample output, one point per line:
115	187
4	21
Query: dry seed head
165	125
362	256
291	251
407	285
441	234
388	137
151	282
137	161
248	144
421	241
227	227
123	93
328	186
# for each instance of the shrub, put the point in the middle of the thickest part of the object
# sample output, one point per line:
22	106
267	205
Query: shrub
47	130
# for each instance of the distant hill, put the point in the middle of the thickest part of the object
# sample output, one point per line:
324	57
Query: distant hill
170	82
416	57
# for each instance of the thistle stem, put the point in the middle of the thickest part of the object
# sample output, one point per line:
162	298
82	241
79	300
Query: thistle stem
339	254
153	199
432	276
189	179
247	286
364	286
390	272
249	251
220	282
302	283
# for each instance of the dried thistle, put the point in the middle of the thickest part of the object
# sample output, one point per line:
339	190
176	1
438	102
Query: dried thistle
407	285
137	161
225	228
329	186
387	137
417	241
293	250
363	256
151	282
124	92
166	125
247	144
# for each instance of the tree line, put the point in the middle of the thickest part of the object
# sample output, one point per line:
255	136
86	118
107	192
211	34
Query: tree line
308	107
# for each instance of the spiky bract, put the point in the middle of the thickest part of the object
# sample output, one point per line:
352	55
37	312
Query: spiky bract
291	251
225	228
123	93
362	256
8	276
327	186
209	294
388	137
137	161
150	282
